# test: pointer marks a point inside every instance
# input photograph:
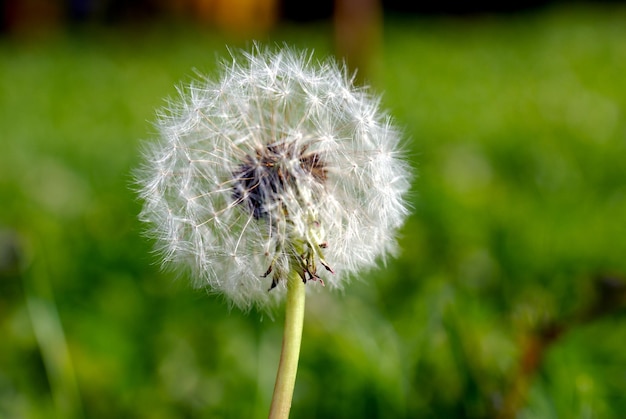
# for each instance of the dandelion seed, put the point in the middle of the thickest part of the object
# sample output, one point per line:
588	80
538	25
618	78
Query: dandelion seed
280	165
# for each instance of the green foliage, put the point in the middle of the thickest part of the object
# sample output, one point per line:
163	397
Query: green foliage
515	251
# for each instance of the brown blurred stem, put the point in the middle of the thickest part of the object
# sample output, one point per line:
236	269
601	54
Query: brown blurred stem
357	34
610	296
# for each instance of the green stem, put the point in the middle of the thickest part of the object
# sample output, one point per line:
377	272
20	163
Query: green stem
288	365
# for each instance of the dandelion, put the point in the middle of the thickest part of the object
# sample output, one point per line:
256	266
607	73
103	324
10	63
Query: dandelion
278	173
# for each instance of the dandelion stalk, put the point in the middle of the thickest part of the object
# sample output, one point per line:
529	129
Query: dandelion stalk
290	353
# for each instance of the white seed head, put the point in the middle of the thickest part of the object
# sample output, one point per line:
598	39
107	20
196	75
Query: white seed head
280	165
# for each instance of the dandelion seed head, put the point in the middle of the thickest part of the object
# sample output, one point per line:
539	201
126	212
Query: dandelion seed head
278	165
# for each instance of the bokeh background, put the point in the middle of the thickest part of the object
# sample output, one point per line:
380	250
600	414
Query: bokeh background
508	299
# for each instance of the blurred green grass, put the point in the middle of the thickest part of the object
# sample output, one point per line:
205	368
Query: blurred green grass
516	128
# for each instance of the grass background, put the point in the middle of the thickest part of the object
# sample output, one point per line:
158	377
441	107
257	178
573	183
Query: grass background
508	299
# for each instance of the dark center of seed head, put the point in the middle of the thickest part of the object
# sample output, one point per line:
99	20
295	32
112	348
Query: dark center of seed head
261	180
